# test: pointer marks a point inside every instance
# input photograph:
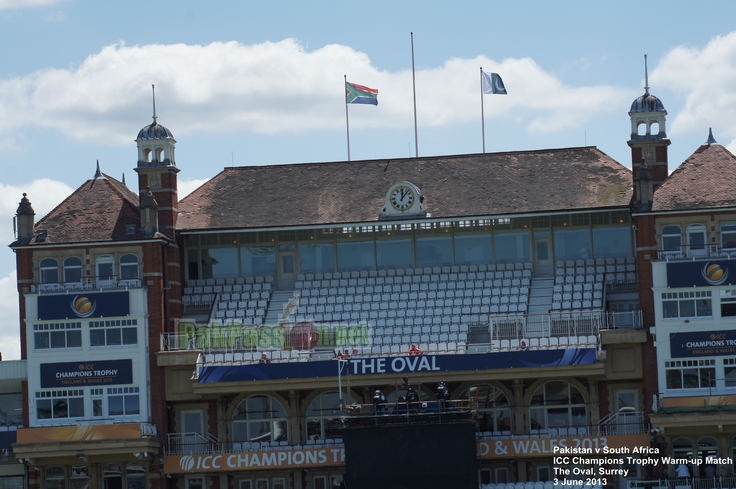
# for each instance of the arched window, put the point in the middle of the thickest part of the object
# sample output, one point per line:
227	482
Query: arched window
260	418
55	478
128	267
654	128
557	404
159	154
323	416
72	269
494	411
671	238
135	477
728	235
696	238
105	268
78	477
147	155
112	476
49	268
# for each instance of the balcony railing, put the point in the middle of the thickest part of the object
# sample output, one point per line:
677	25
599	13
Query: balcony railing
87	283
561	324
696	252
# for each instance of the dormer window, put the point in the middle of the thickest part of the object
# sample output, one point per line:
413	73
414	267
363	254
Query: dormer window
671	238
105	268
696	238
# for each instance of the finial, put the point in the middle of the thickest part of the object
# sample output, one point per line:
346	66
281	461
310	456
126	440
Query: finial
98	173
124	179
153	90
711	139
646	76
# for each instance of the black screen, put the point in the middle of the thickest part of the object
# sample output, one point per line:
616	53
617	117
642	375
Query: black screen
411	457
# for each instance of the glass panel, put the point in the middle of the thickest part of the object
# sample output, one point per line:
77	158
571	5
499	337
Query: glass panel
115	405
687	308
434	252
612	242
691	378
512	247
73	339
257	260
113	336
240	431
58	339
258	407
104	270
558	417
704	307
730	376
556	393
542	250
219	262
76	407
132	405
394	254
259	431
537	418
572	244
43	408
707	377
60	408
287	264
674	379
355	256
317	258
669	309
41	340
671	243
473	250
97	337
130	336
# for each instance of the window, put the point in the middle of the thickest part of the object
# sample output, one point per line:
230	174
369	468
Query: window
473	249
687	304
557	404
220	262
728	303
49	268
55	478
394	254
72	270
259	418
434	252
195	483
316	258
57	335
494	412
671	238
728	235
572	244
255	261
79	477
355	256
11	410
729	371
105	268
128	267
612	242
113	332
323	416
512	247
690	374
135	477
60	404
123	401
112	476
97	409
696	239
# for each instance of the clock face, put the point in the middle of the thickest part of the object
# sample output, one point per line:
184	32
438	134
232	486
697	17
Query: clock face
402	198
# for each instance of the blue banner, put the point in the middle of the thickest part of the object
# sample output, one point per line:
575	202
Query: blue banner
79	374
701	273
702	344
398	365
83	305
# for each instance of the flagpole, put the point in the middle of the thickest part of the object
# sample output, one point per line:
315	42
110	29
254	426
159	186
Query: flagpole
482	111
414	87
347	121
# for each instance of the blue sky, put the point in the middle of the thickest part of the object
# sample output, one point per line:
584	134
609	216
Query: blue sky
261	83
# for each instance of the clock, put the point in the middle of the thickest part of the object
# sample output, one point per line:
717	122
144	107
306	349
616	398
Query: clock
402	198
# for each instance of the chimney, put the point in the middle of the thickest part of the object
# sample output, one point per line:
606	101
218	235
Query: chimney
25	220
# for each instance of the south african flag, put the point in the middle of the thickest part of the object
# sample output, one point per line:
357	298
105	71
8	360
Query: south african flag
359	94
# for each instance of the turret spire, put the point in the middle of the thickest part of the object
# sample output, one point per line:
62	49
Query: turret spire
98	173
646	77
153	90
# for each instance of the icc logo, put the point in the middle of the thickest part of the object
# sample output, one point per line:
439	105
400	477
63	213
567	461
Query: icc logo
714	274
186	462
83	307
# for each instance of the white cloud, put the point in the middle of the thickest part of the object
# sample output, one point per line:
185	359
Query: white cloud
9	318
276	87
706	78
186	187
18	4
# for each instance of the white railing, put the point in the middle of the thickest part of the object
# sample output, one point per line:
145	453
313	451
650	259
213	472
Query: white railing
523	326
181	443
89	284
697	252
684	483
625	421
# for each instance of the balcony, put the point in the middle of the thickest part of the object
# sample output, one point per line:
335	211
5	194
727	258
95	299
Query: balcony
697	252
88	283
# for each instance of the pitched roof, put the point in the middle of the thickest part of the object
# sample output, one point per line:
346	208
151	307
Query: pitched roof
97	211
453	186
703	181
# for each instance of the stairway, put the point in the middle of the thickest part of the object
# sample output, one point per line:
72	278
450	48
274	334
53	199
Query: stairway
540	295
276	306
